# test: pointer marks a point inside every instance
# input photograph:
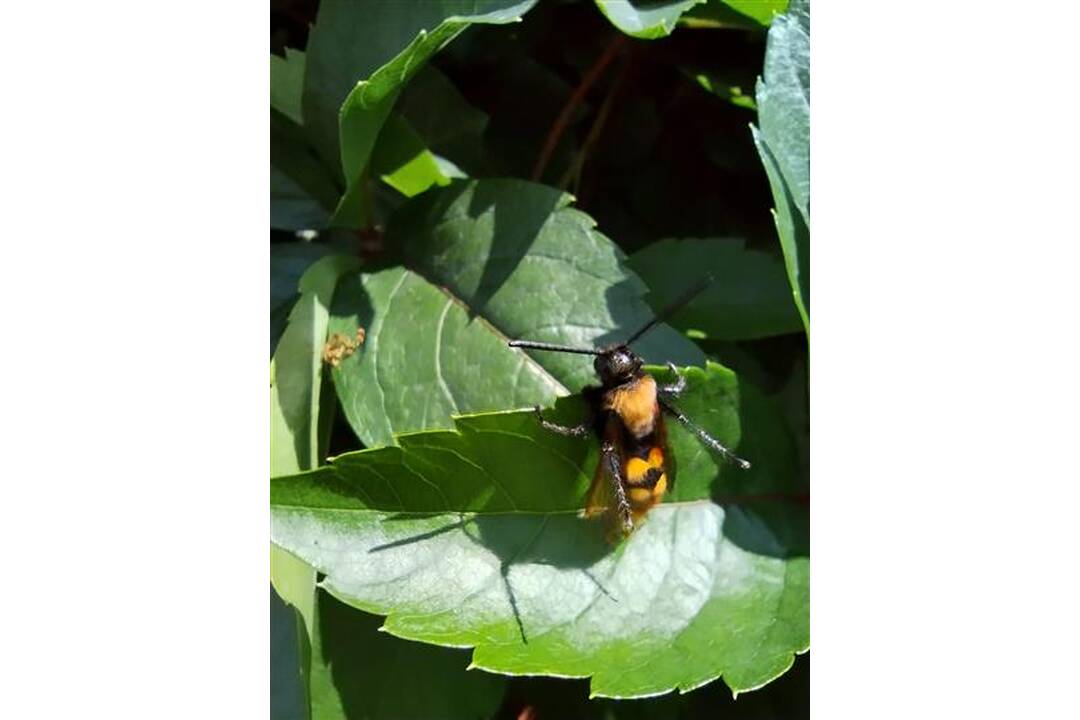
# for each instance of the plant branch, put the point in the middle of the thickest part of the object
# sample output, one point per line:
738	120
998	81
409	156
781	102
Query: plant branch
577	166
561	122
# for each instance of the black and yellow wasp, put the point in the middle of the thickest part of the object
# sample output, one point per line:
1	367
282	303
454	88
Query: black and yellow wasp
627	415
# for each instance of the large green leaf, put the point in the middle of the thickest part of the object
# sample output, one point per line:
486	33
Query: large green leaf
359	672
749	297
361	54
646	19
783	99
783	142
793	232
486	261
470	538
423	359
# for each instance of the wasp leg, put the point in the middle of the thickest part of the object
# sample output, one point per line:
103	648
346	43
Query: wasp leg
575	431
610	457
676	387
705	437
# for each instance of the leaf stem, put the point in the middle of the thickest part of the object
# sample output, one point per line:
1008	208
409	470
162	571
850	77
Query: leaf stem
574	172
587	81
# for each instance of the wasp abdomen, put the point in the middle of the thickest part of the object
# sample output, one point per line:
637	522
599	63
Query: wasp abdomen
646	481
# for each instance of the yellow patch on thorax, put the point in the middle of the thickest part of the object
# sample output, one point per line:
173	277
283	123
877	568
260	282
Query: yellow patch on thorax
635	404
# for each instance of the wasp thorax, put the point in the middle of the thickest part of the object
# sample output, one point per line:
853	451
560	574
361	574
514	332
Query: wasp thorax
618	365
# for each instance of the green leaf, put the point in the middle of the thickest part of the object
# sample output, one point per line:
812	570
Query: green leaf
783	142
487	261
359	672
302	189
290	661
294	581
749	297
745	14
361	53
288	262
445	120
296	399
783	98
291	207
423	358
794	233
287	84
722	87
646	19
470	538
296	369
402	160
298	412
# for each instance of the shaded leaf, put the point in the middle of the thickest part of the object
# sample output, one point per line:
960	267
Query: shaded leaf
290	660
488	261
506	566
646	19
361	53
288	262
444	119
287	84
359	672
749	297
297	177
402	160
291	207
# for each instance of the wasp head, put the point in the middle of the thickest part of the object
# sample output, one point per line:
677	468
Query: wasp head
617	365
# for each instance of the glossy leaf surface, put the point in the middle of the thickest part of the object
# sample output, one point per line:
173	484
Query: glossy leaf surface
471	538
488	261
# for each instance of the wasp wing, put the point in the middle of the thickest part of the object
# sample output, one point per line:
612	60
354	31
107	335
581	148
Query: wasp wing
601	498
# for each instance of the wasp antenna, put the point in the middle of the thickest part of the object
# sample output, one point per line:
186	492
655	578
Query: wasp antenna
552	347
674	307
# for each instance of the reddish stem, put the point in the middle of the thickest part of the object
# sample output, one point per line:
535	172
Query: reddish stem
587	81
